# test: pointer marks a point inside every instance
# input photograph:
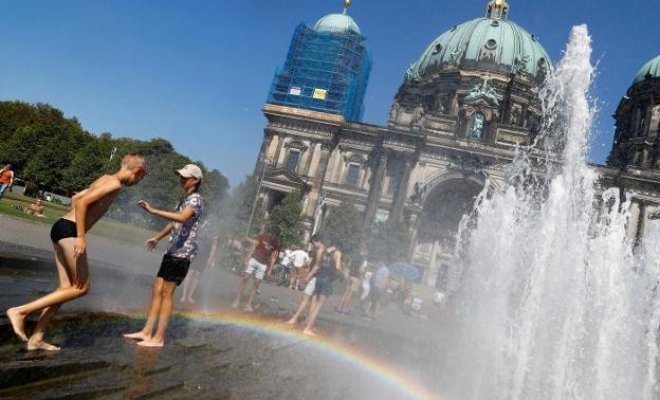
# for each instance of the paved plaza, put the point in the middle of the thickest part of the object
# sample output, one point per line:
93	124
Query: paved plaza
211	351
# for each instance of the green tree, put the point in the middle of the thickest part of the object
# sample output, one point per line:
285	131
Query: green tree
287	216
389	241
344	223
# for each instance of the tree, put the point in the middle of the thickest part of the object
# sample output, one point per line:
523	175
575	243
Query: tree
49	149
287	216
389	241
344	223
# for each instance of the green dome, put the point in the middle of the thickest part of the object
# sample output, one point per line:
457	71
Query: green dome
651	68
336	23
494	44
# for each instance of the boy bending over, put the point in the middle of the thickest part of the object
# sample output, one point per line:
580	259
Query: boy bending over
68	237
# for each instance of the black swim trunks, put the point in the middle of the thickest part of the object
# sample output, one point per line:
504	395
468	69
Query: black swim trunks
173	269
63	229
324	285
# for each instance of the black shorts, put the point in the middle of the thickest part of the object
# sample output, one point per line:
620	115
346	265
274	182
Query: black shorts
63	229
173	269
323	286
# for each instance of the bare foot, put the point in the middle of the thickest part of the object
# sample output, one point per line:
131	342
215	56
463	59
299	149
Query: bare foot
190	300
17	323
41	345
150	343
309	332
182	300
291	322
137	336
235	304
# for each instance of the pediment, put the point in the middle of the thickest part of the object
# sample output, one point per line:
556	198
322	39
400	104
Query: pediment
284	176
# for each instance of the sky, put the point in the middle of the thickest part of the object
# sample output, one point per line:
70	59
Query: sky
197	72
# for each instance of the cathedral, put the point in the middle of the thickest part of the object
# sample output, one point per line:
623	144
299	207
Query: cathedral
463	107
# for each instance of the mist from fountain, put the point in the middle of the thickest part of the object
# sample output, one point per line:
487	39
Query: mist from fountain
553	299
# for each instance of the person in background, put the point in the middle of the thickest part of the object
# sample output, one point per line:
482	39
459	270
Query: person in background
325	275
299	260
310	285
6	179
358	267
207	244
259	261
378	288
36	209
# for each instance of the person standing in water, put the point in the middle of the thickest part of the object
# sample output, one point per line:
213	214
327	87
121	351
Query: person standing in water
356	272
325	277
181	250
207	247
69	241
259	261
309	282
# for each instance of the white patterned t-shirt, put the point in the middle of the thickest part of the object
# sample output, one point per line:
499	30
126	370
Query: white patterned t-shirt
183	238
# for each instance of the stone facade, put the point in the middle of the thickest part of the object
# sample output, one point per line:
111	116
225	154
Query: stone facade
453	126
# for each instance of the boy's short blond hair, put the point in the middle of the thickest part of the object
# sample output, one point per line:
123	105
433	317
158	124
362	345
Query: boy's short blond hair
134	161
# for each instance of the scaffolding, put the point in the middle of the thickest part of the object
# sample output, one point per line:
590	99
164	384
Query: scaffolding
324	71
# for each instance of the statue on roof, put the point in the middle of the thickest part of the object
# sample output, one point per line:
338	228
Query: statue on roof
483	90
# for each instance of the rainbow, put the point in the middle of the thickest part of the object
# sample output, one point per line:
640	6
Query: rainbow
342	352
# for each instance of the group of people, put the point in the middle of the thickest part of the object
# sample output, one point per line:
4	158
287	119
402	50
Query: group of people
188	239
68	236
315	273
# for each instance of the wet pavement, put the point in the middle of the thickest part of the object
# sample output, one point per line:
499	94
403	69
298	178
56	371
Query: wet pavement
211	352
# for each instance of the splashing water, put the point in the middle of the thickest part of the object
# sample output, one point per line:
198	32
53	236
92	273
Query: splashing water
553	300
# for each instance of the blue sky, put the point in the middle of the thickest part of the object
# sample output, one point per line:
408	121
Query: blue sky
197	72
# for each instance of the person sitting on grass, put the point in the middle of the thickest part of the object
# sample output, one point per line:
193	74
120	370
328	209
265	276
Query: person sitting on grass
36	209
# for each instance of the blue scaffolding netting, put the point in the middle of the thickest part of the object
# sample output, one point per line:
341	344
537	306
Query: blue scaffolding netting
324	71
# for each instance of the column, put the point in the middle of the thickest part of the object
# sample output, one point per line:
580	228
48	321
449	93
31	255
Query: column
279	156
402	190
272	147
314	160
376	187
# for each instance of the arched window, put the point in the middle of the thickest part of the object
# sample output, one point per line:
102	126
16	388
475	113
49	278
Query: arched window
477	126
353	175
292	160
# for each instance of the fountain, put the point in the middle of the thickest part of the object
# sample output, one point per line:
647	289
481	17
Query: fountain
552	300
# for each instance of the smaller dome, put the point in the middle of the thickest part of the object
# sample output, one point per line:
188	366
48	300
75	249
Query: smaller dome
651	68
336	23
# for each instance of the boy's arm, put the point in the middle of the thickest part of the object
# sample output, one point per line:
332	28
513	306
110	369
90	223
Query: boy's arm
153	241
101	188
180	216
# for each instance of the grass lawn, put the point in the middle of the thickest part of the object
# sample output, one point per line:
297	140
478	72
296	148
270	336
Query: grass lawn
105	227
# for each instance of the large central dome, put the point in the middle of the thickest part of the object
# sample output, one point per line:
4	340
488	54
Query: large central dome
493	43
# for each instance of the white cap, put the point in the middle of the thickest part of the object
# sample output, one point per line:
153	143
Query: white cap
190	171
